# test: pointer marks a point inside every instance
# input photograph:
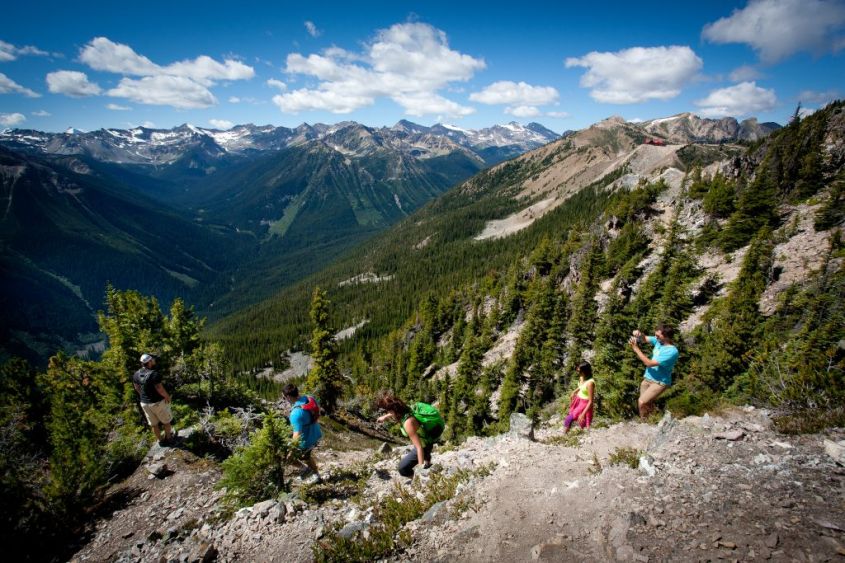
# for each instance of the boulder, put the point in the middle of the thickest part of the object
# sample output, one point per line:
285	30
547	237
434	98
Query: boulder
350	530
836	450
730	435
262	509
158	470
432	513
385	448
277	513
521	427
647	465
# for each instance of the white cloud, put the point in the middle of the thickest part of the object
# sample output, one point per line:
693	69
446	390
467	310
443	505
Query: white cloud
41	113
744	73
190	78
116	107
523	111
559	114
407	63
176	91
507	92
776	29
11	119
741	99
71	83
148	125
234	100
312	29
221	123
104	54
273	83
804	112
815	97
637	74
9	52
9	86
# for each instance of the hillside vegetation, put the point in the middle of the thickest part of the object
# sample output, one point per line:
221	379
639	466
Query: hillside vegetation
631	235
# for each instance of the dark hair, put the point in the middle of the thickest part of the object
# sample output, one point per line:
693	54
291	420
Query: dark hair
290	390
388	401
586	369
667	330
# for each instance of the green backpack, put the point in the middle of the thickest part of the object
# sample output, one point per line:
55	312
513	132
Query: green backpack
431	423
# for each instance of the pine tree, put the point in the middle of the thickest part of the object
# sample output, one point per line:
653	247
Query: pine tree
325	378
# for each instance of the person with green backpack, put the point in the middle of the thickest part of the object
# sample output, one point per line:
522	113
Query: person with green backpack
420	422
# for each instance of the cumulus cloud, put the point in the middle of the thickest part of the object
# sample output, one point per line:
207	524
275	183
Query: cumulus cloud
72	83
523	111
312	29
41	113
116	107
637	74
804	112
776	29
507	92
558	114
190	77
176	91
9	86
221	123
741	99
744	73
11	119
9	52
273	83
408	63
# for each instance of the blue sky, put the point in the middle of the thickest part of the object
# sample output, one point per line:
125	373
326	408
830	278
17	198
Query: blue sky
96	64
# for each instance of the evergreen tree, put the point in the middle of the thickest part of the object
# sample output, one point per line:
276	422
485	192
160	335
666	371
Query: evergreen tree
325	377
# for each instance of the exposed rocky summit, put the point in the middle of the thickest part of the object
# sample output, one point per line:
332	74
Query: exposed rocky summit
687	496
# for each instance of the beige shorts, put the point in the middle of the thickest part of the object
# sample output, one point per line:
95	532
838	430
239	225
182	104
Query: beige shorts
157	412
650	390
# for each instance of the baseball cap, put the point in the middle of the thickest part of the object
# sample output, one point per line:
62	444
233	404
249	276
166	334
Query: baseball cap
145	358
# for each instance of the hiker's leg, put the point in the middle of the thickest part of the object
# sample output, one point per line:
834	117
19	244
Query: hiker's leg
157	432
427	453
568	422
309	460
588	418
649	391
406	466
168	431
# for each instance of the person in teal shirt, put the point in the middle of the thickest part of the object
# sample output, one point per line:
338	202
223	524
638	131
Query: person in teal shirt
306	430
658	369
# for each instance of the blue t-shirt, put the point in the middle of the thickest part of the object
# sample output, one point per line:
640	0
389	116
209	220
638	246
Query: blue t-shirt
300	420
666	355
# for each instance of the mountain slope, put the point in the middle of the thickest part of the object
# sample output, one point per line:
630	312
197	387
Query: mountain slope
68	233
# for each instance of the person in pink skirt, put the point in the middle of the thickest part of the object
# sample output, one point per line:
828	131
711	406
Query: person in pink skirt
582	399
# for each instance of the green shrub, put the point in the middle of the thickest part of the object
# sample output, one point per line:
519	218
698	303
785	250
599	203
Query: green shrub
626	456
257	471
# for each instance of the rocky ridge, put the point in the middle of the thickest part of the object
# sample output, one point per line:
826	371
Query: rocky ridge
700	488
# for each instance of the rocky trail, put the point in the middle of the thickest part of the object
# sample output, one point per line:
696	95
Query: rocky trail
709	488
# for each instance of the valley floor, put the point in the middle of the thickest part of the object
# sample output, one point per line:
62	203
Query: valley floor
707	488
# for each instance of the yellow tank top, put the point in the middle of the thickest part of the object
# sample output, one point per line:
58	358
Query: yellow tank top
583	391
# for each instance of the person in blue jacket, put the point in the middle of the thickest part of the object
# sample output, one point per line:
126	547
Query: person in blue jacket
658	369
304	416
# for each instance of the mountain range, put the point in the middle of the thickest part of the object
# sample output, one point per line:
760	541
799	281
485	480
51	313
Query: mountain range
227	218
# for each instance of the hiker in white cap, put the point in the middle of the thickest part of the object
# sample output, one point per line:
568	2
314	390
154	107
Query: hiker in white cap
155	400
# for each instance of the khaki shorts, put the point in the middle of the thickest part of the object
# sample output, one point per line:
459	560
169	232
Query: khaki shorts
650	390
157	412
